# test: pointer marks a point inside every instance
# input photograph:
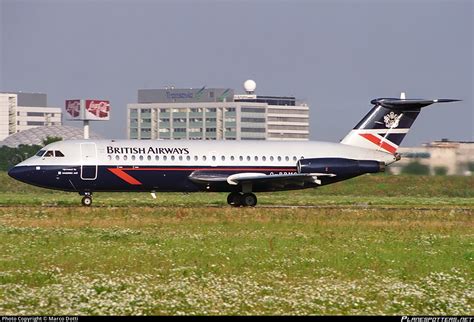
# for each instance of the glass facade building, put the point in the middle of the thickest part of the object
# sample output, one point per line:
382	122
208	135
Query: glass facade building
215	114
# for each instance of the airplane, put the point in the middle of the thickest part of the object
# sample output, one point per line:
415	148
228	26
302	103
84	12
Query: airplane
238	167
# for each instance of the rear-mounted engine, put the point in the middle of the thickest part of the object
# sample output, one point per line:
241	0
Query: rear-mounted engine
339	166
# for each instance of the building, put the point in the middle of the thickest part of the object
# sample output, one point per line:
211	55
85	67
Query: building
216	114
443	157
23	111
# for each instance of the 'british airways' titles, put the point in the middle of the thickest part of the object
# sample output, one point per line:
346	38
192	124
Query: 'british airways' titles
149	150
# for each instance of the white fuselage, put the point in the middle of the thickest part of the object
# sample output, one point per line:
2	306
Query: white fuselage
200	153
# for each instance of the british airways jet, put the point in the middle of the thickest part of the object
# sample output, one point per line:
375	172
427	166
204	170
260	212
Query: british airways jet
238	167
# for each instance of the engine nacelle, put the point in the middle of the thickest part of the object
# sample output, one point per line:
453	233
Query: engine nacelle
340	166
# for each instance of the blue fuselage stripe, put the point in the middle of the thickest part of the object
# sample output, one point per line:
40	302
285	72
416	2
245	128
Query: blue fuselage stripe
158	178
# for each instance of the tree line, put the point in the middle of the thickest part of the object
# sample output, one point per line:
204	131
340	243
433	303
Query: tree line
12	156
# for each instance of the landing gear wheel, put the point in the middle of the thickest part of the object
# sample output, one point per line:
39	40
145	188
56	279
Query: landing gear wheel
248	200
86	201
233	199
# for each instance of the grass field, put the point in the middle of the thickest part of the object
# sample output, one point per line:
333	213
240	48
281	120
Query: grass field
374	245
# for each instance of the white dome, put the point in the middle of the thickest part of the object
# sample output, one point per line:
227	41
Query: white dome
36	135
250	85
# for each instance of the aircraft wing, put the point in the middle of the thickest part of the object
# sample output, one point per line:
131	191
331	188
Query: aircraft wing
258	178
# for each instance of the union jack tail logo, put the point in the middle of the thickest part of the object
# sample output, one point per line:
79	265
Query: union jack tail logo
387	123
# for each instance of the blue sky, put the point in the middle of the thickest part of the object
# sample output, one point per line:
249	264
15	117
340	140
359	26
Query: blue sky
335	55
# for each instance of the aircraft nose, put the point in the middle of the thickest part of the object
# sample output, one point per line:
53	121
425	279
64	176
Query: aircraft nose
18	173
13	172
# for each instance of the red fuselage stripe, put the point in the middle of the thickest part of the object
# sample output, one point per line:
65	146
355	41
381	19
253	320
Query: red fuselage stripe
124	176
211	169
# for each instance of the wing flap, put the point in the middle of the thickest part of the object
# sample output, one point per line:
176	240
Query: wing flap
256	178
296	178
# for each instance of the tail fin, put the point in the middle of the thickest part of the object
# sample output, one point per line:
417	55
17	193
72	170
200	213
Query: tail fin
387	123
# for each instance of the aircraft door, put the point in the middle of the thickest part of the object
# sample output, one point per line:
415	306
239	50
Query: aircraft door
88	161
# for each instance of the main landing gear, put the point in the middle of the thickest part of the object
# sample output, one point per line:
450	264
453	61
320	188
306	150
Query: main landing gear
87	199
237	199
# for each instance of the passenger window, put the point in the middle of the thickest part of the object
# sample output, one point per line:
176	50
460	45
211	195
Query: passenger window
241	158
157	157
264	158
271	158
213	158
256	158
204	158
49	154
223	158
232	158
58	154
141	157
133	157
188	158
287	158
279	158
196	158
295	158
109	157
172	158
40	153
149	158
165	157
117	157
248	158
125	157
180	158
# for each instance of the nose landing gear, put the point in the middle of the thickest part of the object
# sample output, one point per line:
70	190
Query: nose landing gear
87	199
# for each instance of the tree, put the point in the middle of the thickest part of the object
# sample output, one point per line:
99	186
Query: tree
416	168
11	156
470	166
51	139
440	171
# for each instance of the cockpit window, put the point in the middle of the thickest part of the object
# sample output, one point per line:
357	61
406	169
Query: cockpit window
50	153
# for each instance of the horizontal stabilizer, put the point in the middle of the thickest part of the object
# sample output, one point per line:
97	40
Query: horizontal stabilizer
408	104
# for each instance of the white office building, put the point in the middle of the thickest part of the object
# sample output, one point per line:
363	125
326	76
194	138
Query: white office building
216	114
445	156
23	111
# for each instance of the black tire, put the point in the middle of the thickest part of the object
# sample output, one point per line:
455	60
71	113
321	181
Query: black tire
233	199
86	201
248	200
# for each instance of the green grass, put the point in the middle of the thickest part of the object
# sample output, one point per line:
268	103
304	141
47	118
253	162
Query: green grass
362	191
390	250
